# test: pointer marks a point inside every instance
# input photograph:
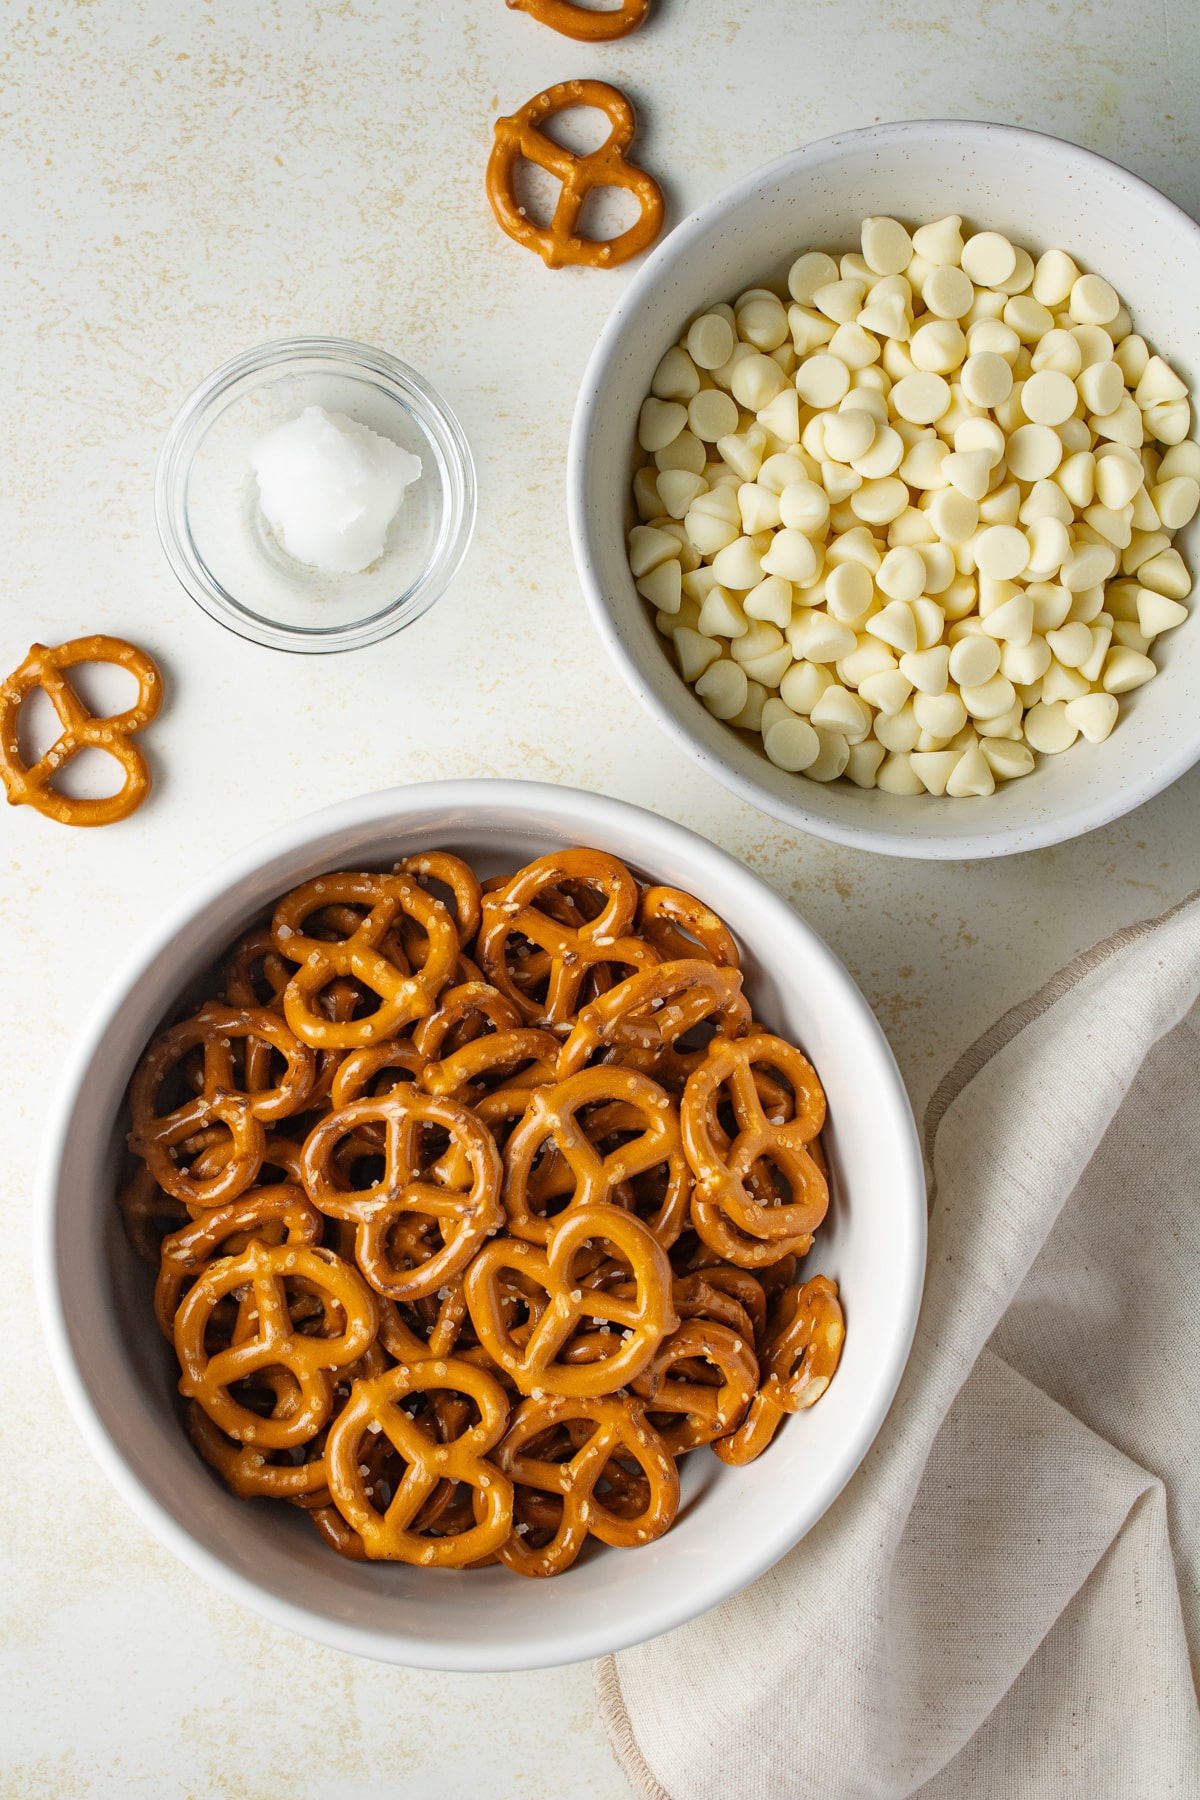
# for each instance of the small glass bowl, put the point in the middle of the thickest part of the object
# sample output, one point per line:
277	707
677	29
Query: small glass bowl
225	554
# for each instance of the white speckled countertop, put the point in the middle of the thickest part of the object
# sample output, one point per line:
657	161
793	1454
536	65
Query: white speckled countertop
183	180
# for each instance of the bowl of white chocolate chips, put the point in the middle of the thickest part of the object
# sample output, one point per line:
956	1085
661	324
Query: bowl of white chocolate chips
882	488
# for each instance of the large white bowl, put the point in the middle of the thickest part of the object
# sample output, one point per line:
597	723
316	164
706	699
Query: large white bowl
734	1523
1041	192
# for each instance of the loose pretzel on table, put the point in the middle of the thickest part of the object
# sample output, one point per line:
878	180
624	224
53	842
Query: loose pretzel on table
520	136
30	784
586	24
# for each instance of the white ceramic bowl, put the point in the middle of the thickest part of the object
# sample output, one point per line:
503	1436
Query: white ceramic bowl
734	1523
1042	193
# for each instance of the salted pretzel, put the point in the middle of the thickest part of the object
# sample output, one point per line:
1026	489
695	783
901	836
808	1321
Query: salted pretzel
521	1058
613	1430
708	1410
275	1214
403	996
464	1216
800	1360
643	1017
518	912
645	1319
724	1169
520	136
553	1117
274	1343
389	1534
680	926
213	1031
585	23
453	873
462	1015
30	784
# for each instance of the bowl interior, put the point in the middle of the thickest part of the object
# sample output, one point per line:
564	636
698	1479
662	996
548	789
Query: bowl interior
1040	192
734	1522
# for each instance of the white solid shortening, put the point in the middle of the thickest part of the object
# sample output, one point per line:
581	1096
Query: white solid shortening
330	488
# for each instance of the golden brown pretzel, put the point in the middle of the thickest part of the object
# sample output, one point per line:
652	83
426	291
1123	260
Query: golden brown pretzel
725	1170
644	1016
708	1410
552	1117
464	1216
402	996
800	1359
274	1344
213	1030
680	926
611	1430
644	1319
29	785
271	1213
520	136
571	951
390	1533
585	23
453	873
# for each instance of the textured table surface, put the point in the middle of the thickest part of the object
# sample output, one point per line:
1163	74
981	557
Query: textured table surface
183	180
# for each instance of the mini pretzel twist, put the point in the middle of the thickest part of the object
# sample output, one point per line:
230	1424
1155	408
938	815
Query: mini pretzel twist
552	1117
403	997
614	1432
427	1462
520	136
275	1344
407	1190
707	1411
726	1169
513	911
275	1213
584	23
646	1015
644	1320
213	1030
29	784
800	1359
680	926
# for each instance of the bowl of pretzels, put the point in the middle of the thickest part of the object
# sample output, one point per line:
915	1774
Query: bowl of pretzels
483	1229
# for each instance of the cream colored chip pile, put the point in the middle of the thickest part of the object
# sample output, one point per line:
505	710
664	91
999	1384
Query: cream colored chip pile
915	525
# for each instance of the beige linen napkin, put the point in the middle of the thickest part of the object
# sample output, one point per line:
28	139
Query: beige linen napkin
1001	1603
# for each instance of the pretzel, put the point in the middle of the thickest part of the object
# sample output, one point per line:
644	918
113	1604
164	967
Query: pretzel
645	1319
275	1344
212	1030
725	1170
707	1411
571	950
464	1216
520	136
644	1017
584	23
552	1116
800	1358
680	926
464	1014
270	1212
453	873
464	1458
614	1429
402	996
30	784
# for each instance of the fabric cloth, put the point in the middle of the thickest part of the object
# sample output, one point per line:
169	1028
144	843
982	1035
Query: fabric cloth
1003	1600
